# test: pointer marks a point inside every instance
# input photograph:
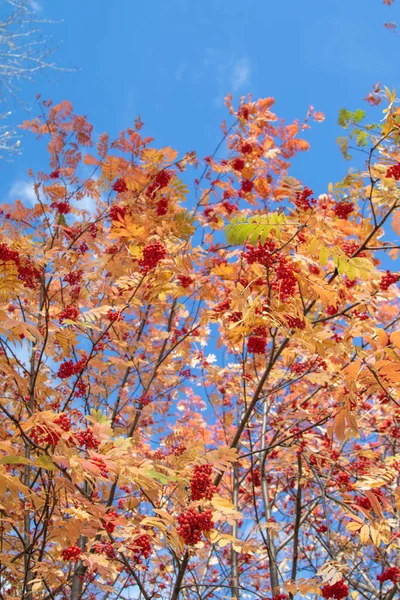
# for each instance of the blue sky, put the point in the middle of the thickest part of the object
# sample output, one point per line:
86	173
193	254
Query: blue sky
173	61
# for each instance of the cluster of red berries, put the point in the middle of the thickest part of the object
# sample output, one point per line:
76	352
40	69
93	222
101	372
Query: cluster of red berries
362	316
257	344
109	524
104	548
303	200
162	207
247	186
145	400
185	280
337	591
201	485
238	164
141	547
160	181
83	248
80	389
178	450
101	465
55	174
343	479
229	207
71	553
69	368
387	280
298	368
42	434
246	148
71	312
295	322
280	597
112	249
152	254
73	277
352	246
363	502
114	315
210	214
254	477
193	523
26	271
261	254
117	212
343	209
222	306
63	208
286	282
243	112
394	172
88	439
120	186
390	574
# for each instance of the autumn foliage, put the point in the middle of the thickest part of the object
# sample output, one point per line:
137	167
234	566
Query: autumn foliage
201	402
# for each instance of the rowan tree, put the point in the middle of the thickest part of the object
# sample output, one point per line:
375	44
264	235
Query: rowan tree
201	403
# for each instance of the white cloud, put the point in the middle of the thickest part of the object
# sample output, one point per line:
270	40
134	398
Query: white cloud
240	73
35	6
24	191
230	75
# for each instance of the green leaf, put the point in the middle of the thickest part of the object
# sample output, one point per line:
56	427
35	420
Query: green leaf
153	474
98	416
358	115
362	138
342	265
15	460
256	228
44	462
323	255
351	271
344	118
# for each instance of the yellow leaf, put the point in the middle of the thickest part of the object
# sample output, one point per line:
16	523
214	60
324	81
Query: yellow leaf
323	255
375	535
45	462
353	526
395	338
364	534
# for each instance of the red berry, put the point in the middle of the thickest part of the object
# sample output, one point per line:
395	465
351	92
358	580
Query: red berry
185	280
390	574
302	200
152	255
162	207
343	209
201	485
257	345
247	185
88	439
337	591
193	523
394	172
120	186
72	553
73	277
71	312
387	280
117	212
238	164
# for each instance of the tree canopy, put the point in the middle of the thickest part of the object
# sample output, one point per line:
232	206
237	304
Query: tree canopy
201	402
